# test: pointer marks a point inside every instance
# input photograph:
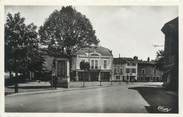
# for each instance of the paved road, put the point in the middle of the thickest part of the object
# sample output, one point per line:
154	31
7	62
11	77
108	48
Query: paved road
118	99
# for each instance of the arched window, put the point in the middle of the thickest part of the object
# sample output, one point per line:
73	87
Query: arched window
96	64
92	64
105	64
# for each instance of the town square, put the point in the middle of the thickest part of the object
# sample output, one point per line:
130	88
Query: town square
91	59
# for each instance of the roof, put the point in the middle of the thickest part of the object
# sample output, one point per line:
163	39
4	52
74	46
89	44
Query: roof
171	26
141	62
123	60
99	49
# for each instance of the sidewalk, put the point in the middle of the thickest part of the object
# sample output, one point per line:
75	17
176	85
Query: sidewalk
44	87
27	89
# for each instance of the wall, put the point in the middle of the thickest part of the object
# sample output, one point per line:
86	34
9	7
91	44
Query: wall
124	75
171	32
131	67
150	73
100	59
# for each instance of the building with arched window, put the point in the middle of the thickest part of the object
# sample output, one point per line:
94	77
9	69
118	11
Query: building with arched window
100	60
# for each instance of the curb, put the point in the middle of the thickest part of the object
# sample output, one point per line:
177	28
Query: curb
171	93
59	90
56	90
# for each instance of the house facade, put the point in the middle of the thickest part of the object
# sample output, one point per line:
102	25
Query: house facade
124	69
170	30
100	60
147	72
132	69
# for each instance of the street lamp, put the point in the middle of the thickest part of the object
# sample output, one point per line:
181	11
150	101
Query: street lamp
99	70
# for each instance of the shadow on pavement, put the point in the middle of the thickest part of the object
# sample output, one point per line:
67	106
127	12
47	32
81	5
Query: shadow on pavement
158	99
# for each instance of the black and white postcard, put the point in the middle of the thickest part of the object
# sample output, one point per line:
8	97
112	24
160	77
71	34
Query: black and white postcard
118	59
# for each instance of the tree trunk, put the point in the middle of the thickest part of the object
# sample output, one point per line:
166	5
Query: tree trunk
70	67
83	79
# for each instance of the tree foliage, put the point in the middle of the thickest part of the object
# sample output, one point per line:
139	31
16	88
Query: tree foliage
84	65
66	31
160	59
21	45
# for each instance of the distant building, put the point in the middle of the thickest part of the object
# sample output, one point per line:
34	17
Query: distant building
147	72
124	69
100	60
170	29
132	69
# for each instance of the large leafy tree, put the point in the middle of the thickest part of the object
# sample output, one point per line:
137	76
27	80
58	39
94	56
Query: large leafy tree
21	46
66	31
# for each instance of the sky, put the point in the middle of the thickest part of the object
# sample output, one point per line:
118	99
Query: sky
127	30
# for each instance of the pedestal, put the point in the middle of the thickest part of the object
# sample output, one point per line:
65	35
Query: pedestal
62	72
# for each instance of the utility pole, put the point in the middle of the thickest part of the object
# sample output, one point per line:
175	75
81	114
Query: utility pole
83	80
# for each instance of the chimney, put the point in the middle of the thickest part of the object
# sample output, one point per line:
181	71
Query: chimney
119	55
